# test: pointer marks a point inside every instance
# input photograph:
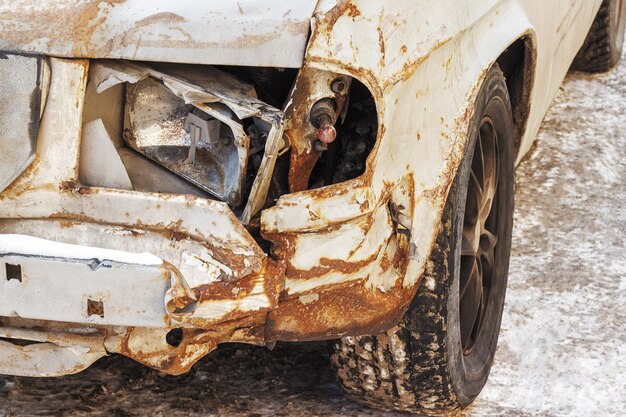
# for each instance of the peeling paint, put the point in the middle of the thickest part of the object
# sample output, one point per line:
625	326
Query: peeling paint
267	33
345	259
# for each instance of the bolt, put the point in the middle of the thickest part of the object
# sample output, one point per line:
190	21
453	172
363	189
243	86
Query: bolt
338	86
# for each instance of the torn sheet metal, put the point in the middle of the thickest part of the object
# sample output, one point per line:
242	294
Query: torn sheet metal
268	33
349	252
318	209
214	93
200	238
220	301
190	83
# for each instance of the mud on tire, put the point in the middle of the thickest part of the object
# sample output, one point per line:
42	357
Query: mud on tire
420	365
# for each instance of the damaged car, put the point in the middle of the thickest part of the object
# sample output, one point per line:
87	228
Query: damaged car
176	175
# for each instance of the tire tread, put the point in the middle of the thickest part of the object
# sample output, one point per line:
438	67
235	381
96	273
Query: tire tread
599	52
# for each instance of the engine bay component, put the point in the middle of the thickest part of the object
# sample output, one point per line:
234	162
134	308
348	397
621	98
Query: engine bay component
24	82
322	95
194	121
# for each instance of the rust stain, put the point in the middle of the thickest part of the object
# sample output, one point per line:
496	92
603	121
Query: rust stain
240	326
381	46
79	24
271	277
352	10
87	190
23	183
300	168
351	309
409	68
343	8
300	132
329	265
75	24
173	360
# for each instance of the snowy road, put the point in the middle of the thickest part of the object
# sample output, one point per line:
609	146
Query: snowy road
563	344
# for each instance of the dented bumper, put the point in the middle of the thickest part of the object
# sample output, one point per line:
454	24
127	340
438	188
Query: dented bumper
344	259
164	278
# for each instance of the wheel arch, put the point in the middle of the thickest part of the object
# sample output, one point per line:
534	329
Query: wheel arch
518	63
424	104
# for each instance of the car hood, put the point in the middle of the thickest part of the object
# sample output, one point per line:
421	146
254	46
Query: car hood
247	32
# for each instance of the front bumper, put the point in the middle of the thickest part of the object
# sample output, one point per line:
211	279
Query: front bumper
190	275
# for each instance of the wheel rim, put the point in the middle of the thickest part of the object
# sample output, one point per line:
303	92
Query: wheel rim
480	236
618	26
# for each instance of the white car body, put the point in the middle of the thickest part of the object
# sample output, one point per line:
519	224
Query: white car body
338	265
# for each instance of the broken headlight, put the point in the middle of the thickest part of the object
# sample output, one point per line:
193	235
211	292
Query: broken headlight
202	124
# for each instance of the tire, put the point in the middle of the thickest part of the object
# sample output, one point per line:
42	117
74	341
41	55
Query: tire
603	47
422	365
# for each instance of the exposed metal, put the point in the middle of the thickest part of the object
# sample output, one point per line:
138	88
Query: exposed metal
312	87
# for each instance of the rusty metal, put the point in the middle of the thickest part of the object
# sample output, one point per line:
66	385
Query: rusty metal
311	87
323	117
345	259
352	309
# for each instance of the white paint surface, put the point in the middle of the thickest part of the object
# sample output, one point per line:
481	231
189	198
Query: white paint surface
246	32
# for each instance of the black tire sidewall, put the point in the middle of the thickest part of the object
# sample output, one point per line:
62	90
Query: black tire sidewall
469	373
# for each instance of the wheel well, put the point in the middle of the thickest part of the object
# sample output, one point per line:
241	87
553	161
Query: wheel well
518	65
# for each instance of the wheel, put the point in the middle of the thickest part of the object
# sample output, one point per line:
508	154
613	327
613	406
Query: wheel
439	356
603	47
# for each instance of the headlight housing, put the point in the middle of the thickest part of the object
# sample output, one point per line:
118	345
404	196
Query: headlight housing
202	124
